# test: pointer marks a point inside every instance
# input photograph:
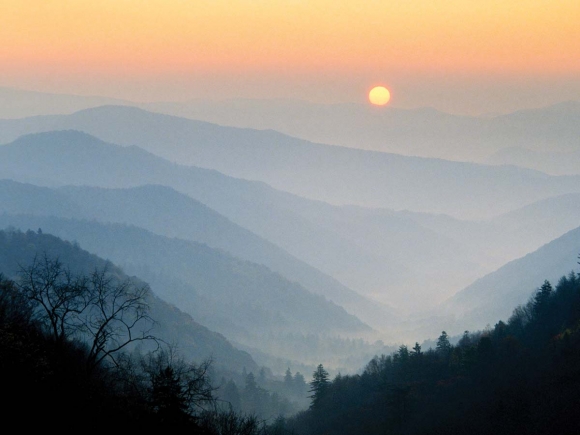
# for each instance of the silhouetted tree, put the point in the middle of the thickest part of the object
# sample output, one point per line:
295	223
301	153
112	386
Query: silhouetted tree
177	390
97	308
288	379
542	297
416	351
318	385
443	345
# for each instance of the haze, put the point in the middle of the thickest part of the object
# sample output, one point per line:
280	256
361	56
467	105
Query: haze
302	261
457	56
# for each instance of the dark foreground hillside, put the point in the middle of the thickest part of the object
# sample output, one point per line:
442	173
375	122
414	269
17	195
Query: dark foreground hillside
84	345
521	376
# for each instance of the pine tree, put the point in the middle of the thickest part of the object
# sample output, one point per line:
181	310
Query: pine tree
318	385
416	351
443	345
288	380
542	297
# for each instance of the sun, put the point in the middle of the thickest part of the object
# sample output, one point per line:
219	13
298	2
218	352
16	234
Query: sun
379	96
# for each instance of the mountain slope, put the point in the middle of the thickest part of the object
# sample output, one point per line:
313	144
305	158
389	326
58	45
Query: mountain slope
550	162
60	158
329	173
246	302
164	211
513	234
173	325
495	295
239	293
381	255
415	132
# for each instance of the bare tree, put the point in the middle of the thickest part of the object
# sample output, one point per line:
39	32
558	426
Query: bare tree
117	315
106	312
58	298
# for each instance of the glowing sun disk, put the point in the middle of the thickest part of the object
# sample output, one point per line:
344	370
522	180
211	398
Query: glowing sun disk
379	96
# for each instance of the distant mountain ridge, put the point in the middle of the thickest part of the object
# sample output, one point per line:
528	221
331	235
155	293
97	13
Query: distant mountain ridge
61	158
173	325
423	132
550	162
495	295
164	211
319	234
333	174
242	300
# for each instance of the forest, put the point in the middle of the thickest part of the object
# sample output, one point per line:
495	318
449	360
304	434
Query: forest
278	217
81	345
519	376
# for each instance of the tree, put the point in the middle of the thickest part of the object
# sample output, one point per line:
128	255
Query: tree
542	297
318	385
107	313
403	354
443	345
58	298
116	311
299	384
288	380
177	390
416	353
15	309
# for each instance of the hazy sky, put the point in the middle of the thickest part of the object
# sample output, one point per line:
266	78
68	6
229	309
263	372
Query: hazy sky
462	56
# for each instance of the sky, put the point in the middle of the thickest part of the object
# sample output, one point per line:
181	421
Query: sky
461	56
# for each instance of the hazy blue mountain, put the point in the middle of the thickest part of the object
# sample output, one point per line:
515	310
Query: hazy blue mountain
164	211
229	295
422	132
550	162
379	255
381	262
494	296
333	174
18	103
510	235
417	132
173	325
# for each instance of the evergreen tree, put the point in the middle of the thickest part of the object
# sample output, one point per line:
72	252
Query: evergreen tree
416	351
542	297
288	380
299	384
443	346
318	385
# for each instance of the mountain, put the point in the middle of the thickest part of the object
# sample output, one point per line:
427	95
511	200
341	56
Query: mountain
309	230
164	211
510	235
494	296
19	103
424	132
333	174
243	300
195	341
550	162
383	255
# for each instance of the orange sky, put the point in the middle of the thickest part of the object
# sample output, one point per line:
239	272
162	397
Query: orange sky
429	52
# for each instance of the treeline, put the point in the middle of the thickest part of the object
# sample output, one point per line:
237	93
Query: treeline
265	396
520	376
72	355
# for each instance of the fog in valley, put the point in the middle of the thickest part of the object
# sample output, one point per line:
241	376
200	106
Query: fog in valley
225	233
